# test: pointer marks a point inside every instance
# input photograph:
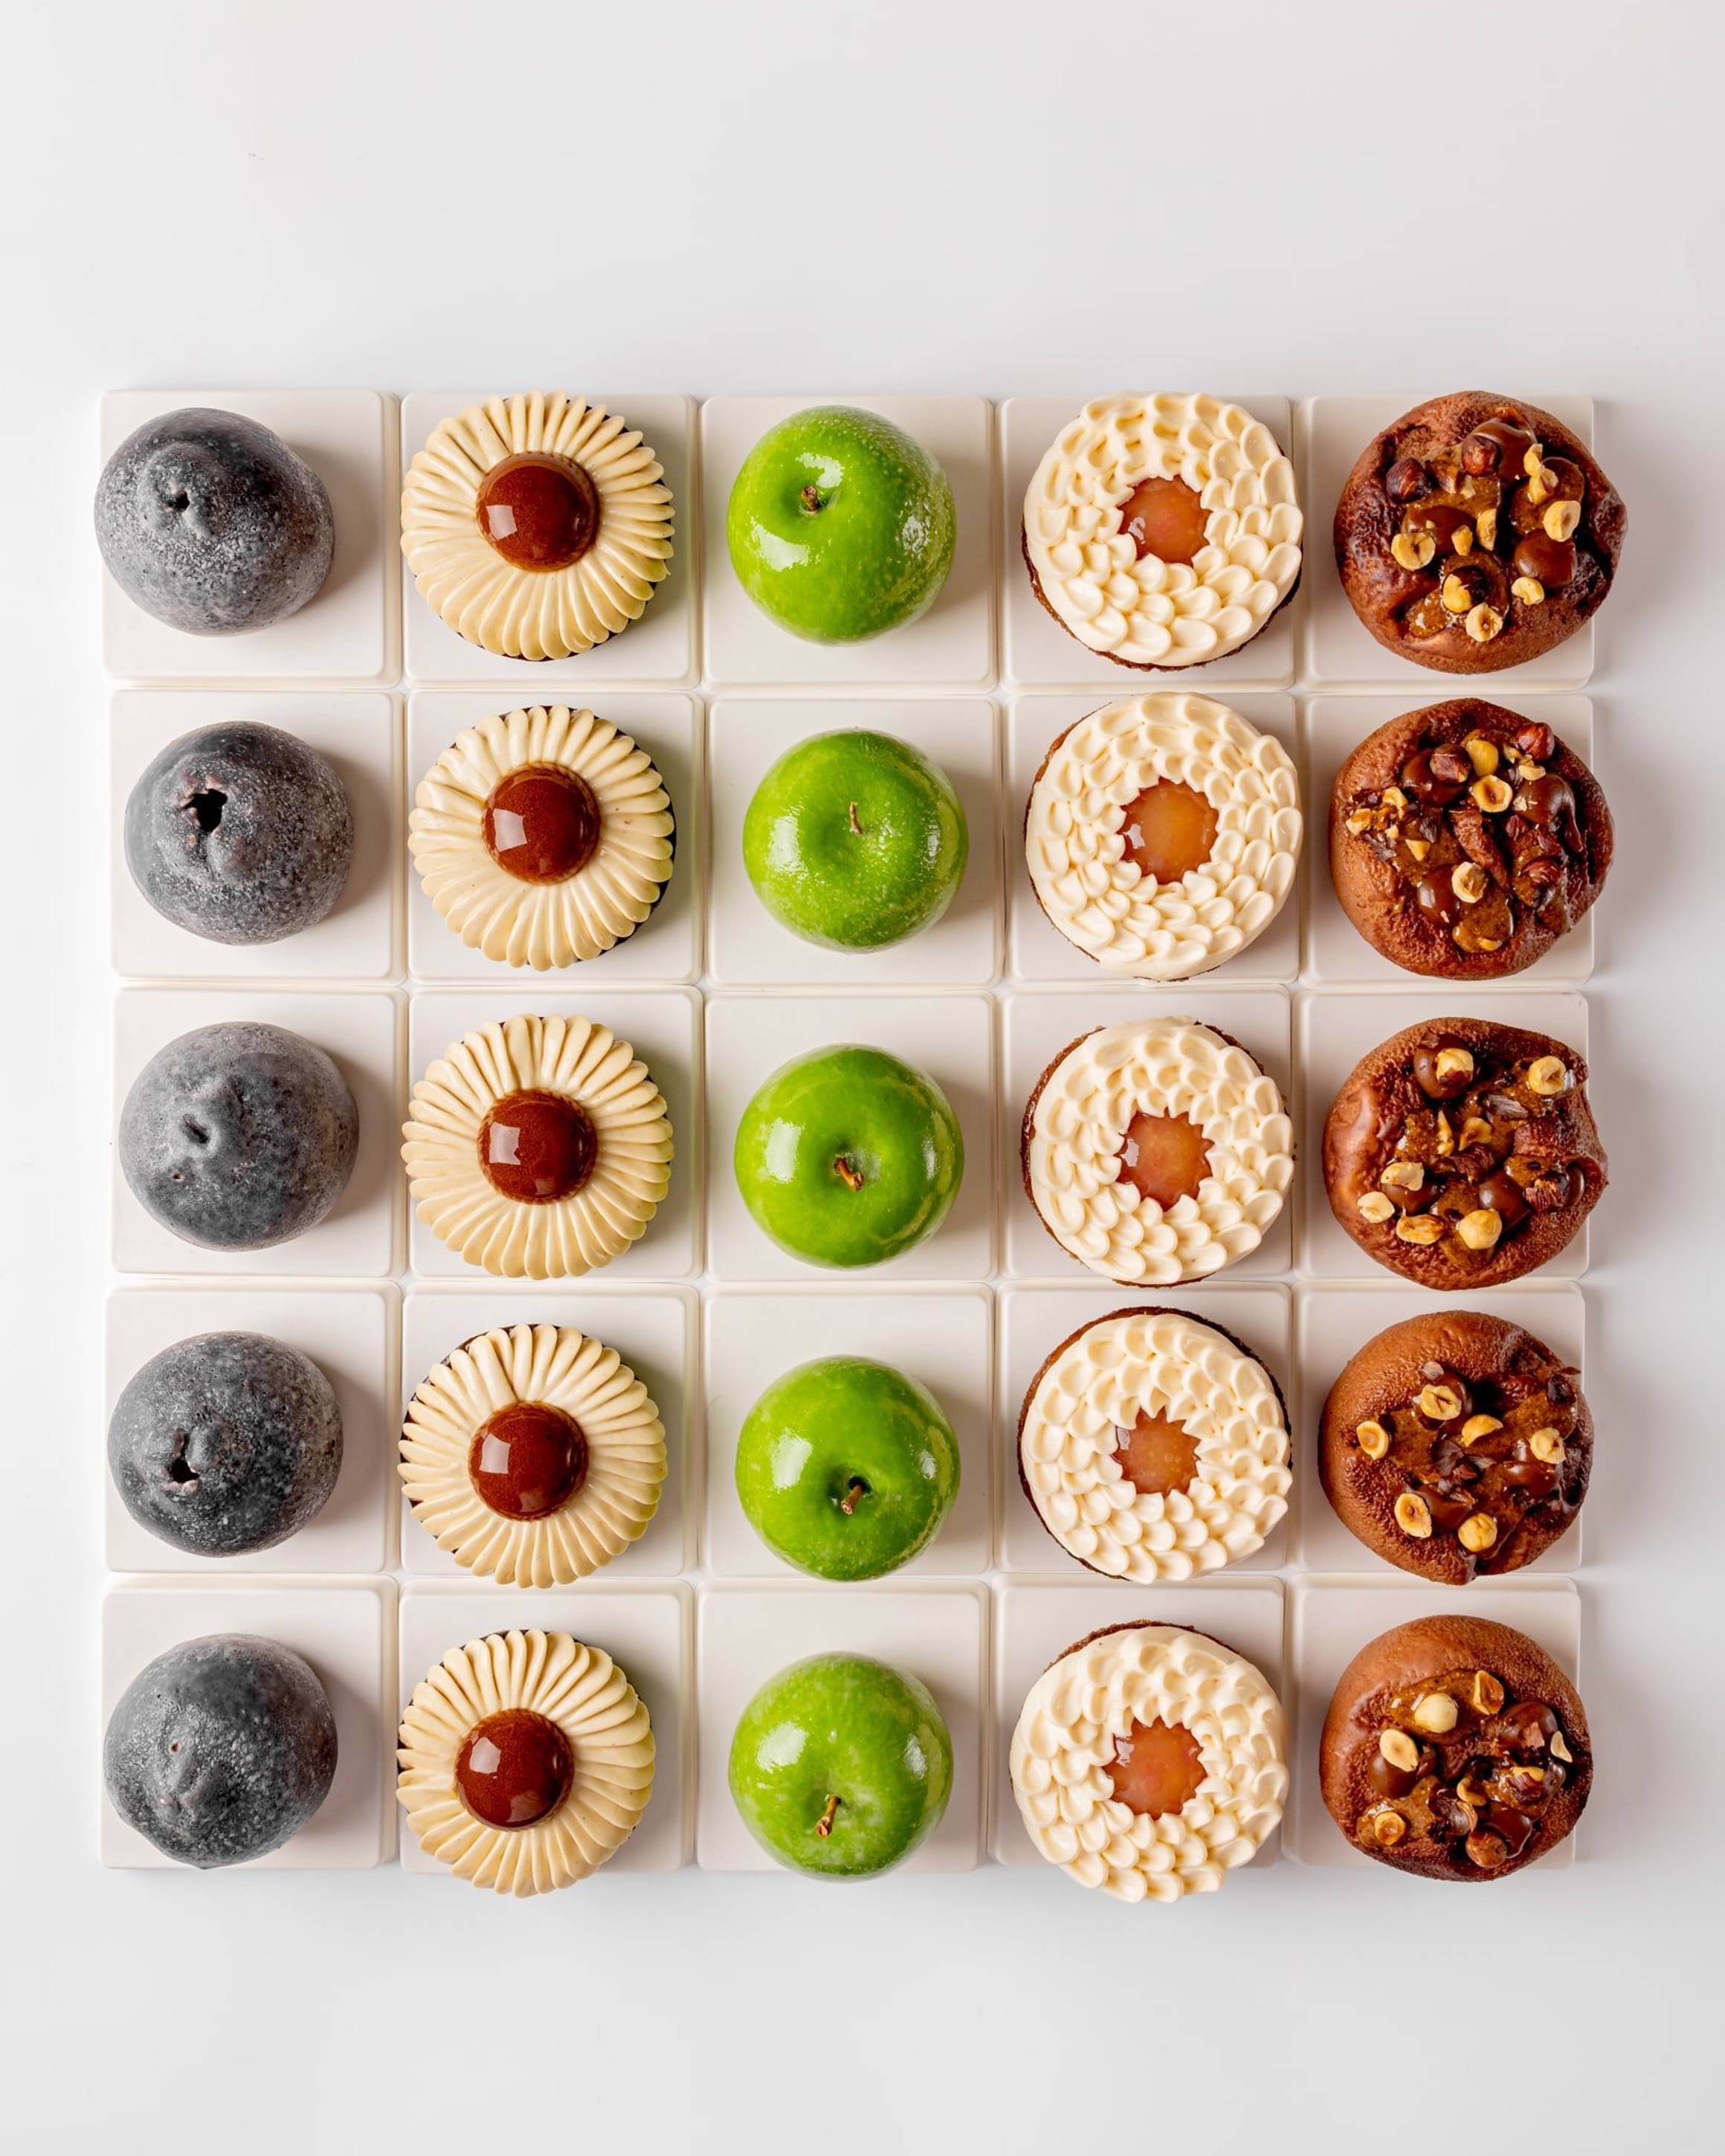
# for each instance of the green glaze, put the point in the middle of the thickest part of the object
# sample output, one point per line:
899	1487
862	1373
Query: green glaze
855	840
843	1726
846	1468
866	551
847	1157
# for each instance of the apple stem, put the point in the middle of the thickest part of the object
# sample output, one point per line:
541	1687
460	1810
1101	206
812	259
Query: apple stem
811	498
823	1824
847	1173
855	826
855	1489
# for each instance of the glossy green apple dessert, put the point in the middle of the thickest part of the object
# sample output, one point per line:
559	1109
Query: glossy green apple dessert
840	525
855	840
848	1157
841	1766
845	1467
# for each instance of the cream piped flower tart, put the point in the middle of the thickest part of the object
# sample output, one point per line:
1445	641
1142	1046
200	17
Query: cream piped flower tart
1162	835
1150	1761
1163	530
1156	1151
537	1147
537	526
1154	1447
533	1456
543	836
526	1761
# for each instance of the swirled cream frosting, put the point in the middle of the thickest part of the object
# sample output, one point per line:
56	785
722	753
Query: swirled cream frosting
1160	1364
604	1726
521	612
1137	609
1078	1123
1083	869
463	825
1078	1713
447	1435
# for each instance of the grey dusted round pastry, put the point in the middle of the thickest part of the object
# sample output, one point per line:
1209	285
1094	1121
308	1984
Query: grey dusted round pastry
212	524
238	1136
226	1443
240	834
221	1749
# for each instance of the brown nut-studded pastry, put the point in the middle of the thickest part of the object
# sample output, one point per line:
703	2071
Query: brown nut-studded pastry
1461	1153
1476	533
1465	839
1454	1748
1455	1444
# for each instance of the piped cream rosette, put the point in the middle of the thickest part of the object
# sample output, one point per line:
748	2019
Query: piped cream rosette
1144	611
1158	1363
1076	1714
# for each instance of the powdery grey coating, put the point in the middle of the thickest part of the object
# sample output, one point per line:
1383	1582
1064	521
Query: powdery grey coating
212	524
240	834
226	1443
221	1749
238	1136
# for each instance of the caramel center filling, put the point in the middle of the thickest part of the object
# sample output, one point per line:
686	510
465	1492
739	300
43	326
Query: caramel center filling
1157	1767
536	1147
539	511
1164	517
542	823
1168	829
527	1460
1167	1156
514	1769
1156	1453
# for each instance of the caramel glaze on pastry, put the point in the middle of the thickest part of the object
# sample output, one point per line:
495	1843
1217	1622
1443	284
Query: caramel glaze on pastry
1465	841
1462	1153
1455	1444
1476	533
1454	1748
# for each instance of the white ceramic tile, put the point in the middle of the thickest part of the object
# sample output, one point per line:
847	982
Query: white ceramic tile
950	646
653	1330
1036	1029
1337	651
1332	1324
940	1337
1037	653
1330	1620
1335	1031
346	1630
348	633
359	939
1035	1626
951	1037
662	1028
747	1634
666	947
657	650
645	1630
1033	1322
350	1334
360	1238
750	949
1336	953
1037	952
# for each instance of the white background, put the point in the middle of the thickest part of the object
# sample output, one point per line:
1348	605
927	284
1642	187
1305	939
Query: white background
1000	199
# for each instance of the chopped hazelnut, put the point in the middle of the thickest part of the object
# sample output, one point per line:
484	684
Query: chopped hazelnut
1487	1693
1548	1076
1400	1750
1461	540
1454	595
1421	1228
1373	1439
1528	590
1486	522
1493	795
1477	1427
1483	622
1418	847
1375	1207
1445	1136
1437	1712
1360	820
1467	879
1559	1750
1533	463
1388	1827
1475	1130
1473	1793
1439	1403
1394	798
1561	520
1412	549
1413	1516
1482	754
1480	1230
1403	1175
1477	1532
1547	1446
1453	1063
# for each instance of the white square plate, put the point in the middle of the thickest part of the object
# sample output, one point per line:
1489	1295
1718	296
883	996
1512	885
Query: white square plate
1038	1028
1035	1626
645	1630
344	1629
940	1337
1037	653
666	946
662	1028
657	650
748	1635
348	633
359	1238
358	941
749	947
952	646
1336	952
1329	1622
653	1330
1038	952
950	1037
1339	651
350	1334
